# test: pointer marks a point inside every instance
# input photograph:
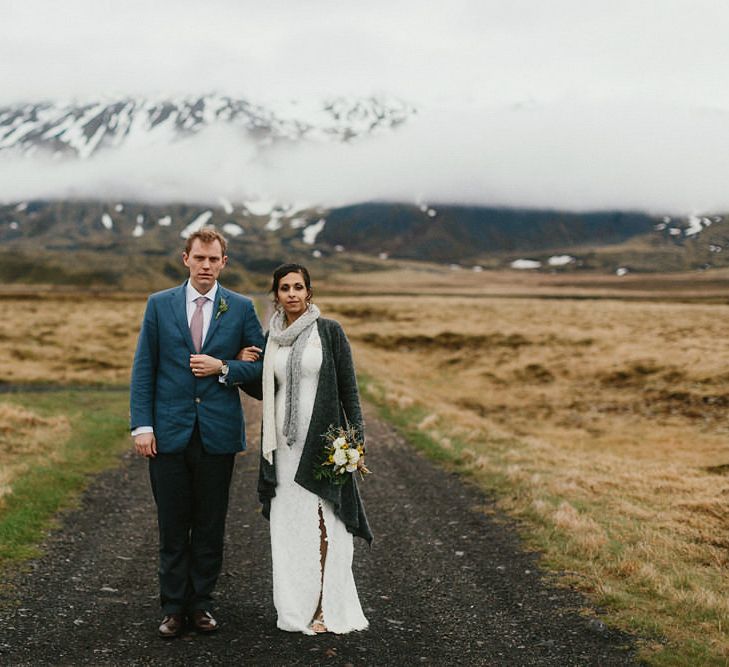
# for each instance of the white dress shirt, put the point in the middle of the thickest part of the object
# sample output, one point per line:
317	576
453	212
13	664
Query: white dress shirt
190	295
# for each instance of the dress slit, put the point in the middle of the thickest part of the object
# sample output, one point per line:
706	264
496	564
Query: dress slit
323	549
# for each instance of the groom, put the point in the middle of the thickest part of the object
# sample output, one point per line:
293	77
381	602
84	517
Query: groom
186	418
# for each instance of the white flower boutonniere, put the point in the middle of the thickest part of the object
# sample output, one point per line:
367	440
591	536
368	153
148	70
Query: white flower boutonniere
222	307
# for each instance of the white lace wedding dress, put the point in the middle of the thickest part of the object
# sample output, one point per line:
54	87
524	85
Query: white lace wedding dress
295	536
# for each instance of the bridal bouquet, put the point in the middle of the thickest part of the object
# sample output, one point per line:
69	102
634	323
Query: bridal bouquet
344	453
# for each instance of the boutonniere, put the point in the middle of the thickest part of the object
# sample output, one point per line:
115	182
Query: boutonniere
222	307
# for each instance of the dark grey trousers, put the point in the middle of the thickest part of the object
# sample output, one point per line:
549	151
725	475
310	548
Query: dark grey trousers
191	492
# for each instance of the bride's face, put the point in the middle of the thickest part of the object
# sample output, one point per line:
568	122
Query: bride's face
293	295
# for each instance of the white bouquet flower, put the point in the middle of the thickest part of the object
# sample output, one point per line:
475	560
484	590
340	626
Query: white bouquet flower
340	456
344	453
353	457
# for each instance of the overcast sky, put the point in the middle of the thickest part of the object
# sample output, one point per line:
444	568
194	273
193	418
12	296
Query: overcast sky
617	90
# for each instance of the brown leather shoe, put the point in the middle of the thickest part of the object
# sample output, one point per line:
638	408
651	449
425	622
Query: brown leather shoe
172	626
204	621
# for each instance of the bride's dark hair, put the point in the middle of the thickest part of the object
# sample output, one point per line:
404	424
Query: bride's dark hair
283	270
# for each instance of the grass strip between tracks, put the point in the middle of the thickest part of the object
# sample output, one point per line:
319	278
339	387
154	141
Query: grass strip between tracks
667	633
58	470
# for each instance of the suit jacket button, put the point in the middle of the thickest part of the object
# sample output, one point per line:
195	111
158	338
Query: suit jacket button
197	399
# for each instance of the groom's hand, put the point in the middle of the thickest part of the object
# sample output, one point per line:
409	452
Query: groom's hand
203	365
146	445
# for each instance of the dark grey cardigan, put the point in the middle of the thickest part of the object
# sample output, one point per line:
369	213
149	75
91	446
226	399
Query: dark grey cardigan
336	397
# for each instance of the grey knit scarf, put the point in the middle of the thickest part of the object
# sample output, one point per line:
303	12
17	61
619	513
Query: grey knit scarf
295	336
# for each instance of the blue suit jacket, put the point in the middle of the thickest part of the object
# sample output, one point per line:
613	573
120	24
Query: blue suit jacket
164	392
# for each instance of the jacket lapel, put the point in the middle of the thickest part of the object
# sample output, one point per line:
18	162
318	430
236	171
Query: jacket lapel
179	311
214	318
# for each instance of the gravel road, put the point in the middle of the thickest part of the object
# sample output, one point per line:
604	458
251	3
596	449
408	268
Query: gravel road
445	583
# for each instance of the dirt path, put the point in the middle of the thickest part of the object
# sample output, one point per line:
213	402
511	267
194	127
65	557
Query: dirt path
444	583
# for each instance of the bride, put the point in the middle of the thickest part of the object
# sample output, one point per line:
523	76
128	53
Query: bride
309	384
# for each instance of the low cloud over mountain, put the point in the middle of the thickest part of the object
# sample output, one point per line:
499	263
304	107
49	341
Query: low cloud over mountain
345	150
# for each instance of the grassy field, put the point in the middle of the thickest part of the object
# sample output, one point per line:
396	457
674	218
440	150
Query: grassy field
50	445
594	408
601	423
66	338
708	286
50	442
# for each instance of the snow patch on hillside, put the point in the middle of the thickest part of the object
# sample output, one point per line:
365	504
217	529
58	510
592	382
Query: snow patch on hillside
312	231
274	222
260	207
231	229
560	260
227	206
197	224
525	264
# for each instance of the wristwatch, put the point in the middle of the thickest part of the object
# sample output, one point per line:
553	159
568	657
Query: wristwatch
224	370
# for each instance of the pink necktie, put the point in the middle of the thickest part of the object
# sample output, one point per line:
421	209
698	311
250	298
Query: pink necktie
196	323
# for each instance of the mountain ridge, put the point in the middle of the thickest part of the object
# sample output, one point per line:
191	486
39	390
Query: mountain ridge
82	129
94	241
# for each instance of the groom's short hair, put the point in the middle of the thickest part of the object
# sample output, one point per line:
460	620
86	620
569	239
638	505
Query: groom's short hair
206	235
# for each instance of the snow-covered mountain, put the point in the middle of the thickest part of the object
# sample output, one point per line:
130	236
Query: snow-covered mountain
82	129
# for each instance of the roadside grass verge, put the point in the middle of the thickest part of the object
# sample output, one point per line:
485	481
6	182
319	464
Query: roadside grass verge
628	569
79	433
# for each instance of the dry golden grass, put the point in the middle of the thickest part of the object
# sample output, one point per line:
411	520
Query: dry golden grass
433	279
52	338
67	339
604	423
25	439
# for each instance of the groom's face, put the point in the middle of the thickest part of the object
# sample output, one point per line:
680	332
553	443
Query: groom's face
205	261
